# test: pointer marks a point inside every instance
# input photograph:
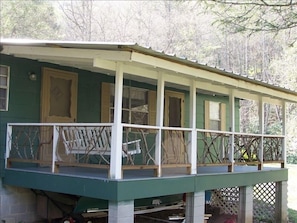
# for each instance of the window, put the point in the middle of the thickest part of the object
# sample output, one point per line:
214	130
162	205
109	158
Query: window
4	87
215	115
134	107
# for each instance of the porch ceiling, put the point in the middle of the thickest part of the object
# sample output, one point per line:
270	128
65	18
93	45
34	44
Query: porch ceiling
146	65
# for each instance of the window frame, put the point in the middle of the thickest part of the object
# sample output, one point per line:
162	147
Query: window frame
106	105
129	109
5	87
222	120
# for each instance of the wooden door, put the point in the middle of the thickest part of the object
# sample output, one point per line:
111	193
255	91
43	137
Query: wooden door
58	103
174	147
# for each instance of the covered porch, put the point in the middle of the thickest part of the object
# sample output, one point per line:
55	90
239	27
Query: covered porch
182	136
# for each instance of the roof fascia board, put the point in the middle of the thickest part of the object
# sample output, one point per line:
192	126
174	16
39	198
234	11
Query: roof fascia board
127	68
68	52
170	78
123	56
211	76
266	91
139	71
207	86
50	51
255	97
104	64
58	59
272	101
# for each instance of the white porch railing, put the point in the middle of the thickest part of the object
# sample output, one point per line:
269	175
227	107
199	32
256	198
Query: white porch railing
143	147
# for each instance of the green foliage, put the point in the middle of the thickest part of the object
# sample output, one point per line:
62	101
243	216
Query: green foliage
292	216
251	16
292	157
28	19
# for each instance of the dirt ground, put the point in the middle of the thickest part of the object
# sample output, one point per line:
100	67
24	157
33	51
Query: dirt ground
162	216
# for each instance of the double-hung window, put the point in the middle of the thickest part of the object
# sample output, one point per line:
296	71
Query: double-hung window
134	106
138	106
215	115
4	87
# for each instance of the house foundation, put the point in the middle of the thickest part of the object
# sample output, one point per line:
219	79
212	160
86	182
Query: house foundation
12	210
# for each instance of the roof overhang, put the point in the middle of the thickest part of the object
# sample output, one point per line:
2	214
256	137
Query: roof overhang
145	64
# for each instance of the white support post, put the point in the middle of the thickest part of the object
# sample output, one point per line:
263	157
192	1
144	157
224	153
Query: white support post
117	128
193	139
159	122
55	146
245	214
284	125
8	143
121	211
281	202
195	207
261	130
232	128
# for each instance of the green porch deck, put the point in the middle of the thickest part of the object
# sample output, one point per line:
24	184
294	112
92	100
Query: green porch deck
137	184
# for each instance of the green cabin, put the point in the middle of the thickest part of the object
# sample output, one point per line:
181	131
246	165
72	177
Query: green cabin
85	122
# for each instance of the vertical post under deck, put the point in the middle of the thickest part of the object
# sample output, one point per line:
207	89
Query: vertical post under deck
121	211
245	214
281	202
195	207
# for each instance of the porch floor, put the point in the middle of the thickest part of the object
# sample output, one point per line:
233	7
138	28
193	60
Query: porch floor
97	173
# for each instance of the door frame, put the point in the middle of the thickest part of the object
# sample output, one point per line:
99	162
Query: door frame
173	141
47	73
176	94
46	134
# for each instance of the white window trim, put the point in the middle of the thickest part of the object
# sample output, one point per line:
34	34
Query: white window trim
222	116
6	87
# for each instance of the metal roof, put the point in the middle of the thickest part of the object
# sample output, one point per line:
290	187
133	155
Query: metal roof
134	47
